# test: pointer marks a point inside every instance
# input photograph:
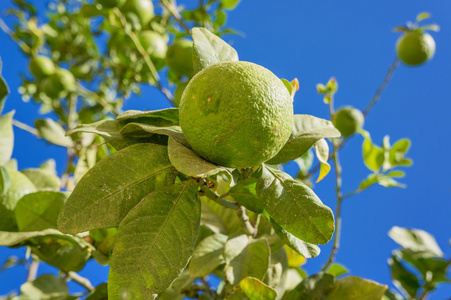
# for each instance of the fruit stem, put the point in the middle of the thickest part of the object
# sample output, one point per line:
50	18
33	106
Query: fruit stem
25	127
220	199
174	12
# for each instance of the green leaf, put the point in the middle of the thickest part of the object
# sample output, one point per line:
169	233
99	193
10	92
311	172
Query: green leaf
105	195
168	114
45	287
373	156
104	240
19	186
155	241
219	218
43	179
305	249
337	270
68	253
416	240
210	49
5	180
356	288
437	267
277	276
245	257
99	293
230	4
145	130
245	193
52	132
307	130
110	131
255	289
208	255
189	163
39	211
392	295
422	16
403	279
4	91
322	153
397	152
294	206
6	137
315	287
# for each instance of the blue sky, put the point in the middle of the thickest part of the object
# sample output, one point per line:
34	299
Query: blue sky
314	40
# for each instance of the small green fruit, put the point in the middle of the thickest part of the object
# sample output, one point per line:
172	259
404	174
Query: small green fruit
81	71
57	85
348	120
179	58
154	44
415	48
41	66
143	9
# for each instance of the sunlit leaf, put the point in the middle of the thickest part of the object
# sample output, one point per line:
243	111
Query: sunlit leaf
210	49
294	206
155	241
356	288
52	132
416	240
307	130
245	258
188	162
208	255
6	137
403	279
322	153
105	195
39	211
45	287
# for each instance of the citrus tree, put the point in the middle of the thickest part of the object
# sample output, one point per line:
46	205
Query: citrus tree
169	198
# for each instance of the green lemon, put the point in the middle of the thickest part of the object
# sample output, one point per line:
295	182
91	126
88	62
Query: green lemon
57	85
143	9
415	48
348	120
236	114
41	66
19	187
179	92
179	57
154	44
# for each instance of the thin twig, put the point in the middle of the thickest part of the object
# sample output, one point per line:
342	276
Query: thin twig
33	270
220	199
10	33
382	87
245	218
367	110
207	287
144	55
26	127
174	12
84	282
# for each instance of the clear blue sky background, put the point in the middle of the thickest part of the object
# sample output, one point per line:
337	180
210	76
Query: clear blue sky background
314	40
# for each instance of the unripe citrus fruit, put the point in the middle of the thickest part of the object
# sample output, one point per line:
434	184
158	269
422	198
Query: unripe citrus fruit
143	9
348	120
179	92
41	66
236	114
179	57
154	44
414	48
57	85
